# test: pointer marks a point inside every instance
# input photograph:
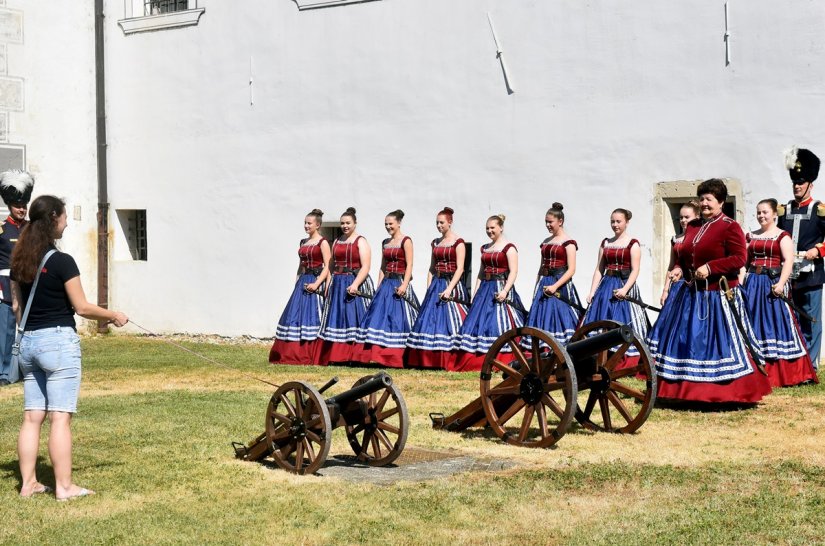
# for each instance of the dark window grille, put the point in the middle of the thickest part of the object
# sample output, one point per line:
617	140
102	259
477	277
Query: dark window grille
141	248
156	7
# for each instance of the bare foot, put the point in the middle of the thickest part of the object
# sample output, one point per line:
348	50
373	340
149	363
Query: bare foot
74	492
34	489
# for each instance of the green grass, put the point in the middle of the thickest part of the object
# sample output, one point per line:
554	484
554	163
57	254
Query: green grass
155	425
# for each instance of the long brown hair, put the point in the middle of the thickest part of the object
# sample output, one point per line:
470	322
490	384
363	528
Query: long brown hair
36	236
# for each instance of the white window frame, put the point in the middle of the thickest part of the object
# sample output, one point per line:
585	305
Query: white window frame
135	21
316	4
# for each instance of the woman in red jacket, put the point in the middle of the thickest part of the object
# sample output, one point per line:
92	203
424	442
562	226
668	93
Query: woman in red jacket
707	359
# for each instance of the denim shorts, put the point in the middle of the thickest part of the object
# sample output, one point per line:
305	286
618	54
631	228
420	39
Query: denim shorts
50	364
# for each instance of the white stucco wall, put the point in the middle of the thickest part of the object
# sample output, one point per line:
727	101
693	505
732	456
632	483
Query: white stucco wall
57	124
401	104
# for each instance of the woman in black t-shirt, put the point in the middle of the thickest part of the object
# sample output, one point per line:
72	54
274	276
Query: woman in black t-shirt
50	347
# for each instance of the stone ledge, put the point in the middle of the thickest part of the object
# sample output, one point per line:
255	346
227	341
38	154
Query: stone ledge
317	4
173	19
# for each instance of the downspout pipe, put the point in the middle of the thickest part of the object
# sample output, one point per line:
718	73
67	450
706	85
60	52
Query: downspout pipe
102	169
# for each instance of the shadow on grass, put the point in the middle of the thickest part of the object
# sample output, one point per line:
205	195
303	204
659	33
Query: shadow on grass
346	461
45	474
703	407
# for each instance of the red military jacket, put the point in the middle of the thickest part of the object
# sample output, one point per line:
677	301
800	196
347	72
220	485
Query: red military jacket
719	243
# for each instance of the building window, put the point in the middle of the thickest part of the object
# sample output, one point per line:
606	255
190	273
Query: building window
331	231
146	15
316	4
133	234
156	7
669	198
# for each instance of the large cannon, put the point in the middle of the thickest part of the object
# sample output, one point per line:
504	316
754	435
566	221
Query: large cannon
299	424
545	385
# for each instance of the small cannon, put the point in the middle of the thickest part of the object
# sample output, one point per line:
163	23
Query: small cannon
546	385
299	424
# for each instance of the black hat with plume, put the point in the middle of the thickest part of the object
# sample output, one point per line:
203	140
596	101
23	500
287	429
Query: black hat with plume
16	186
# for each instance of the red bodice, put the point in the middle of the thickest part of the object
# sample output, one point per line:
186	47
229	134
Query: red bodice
495	262
718	243
444	257
346	255
310	255
395	260
554	255
764	251
678	245
617	258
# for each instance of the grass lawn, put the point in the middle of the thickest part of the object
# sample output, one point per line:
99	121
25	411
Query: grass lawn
155	423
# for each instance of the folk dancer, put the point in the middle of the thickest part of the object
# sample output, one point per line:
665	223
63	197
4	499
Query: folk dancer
554	298
776	331
382	335
435	338
16	189
496	306
705	357
673	286
804	219
676	287
617	268
296	337
348	295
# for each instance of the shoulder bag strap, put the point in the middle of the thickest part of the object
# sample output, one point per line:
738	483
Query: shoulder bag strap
22	325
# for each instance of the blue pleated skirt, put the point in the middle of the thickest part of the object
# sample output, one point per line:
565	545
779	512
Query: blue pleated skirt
390	317
702	343
673	296
605	307
669	318
344	313
775	330
488	319
439	322
552	315
301	319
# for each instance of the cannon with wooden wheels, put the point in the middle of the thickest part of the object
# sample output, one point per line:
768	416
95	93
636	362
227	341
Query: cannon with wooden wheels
299	424
530	397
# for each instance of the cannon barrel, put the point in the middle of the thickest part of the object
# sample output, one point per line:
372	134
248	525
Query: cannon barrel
589	346
374	384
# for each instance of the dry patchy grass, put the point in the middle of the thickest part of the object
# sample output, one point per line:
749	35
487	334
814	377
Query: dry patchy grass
155	425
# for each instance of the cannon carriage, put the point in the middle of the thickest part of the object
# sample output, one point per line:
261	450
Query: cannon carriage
530	397
299	424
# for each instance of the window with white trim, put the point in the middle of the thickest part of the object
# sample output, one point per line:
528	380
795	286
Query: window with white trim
316	4
145	15
130	240
156	7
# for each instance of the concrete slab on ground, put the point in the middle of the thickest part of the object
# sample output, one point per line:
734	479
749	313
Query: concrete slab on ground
414	464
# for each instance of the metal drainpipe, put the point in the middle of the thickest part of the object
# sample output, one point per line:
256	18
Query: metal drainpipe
102	176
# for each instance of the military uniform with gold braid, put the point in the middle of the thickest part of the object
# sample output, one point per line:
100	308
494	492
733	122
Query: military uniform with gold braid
16	190
805	221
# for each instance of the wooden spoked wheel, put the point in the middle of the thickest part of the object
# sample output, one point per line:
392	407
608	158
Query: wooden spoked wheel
532	404
298	428
380	432
620	400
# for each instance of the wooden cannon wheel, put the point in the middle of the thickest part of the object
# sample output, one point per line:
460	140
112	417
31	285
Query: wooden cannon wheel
298	428
624	397
540	389
380	438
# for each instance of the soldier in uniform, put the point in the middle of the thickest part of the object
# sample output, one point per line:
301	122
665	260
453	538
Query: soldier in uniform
804	219
16	189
